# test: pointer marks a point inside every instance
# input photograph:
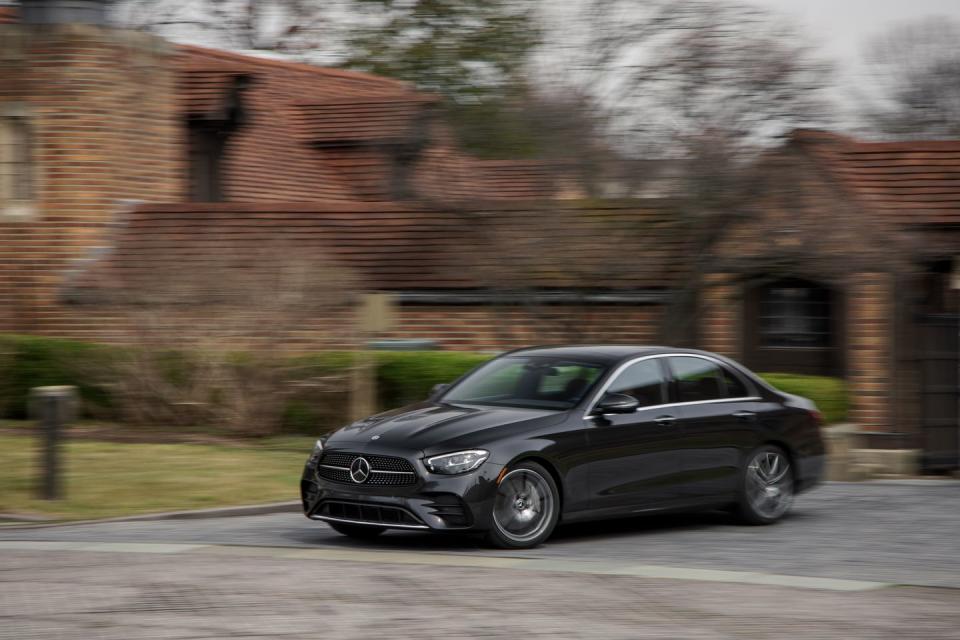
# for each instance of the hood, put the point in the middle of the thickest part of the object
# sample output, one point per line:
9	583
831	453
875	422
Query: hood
432	427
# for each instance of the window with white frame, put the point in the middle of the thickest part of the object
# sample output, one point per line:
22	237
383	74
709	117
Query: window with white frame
17	183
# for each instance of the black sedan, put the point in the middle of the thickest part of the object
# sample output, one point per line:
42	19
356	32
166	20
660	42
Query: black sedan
543	435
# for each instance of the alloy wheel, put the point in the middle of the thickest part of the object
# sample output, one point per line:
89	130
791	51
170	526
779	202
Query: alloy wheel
770	484
524	505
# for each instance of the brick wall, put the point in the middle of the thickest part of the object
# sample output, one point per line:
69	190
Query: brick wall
485	328
869	349
721	316
488	328
105	127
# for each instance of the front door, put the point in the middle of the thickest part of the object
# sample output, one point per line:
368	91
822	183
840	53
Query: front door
636	457
940	392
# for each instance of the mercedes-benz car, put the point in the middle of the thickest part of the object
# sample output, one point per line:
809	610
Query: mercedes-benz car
540	436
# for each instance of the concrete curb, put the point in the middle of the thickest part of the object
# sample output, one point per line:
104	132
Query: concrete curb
195	514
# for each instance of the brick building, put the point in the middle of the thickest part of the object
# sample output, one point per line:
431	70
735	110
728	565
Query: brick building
848	268
123	155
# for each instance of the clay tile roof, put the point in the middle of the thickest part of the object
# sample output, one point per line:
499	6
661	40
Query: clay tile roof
8	15
383	118
294	78
314	133
271	156
916	182
445	173
519	179
398	247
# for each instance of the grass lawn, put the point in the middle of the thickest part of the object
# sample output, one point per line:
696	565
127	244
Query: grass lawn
105	479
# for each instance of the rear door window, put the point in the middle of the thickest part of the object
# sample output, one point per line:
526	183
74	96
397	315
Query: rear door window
697	379
733	385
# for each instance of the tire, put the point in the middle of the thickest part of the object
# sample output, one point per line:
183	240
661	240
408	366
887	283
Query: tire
358	531
526	508
767	486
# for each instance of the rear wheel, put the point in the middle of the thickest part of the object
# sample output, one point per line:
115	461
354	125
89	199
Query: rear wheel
526	508
766	486
359	531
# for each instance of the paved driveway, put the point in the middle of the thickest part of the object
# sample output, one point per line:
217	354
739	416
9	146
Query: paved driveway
890	532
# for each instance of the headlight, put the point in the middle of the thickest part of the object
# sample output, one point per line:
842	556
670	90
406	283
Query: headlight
459	462
317	450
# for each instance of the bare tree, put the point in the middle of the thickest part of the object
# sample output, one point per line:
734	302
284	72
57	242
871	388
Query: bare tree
701	87
669	70
916	66
284	26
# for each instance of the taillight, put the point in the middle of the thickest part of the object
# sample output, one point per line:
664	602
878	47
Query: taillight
817	416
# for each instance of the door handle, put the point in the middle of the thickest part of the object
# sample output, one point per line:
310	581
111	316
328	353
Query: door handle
745	416
665	421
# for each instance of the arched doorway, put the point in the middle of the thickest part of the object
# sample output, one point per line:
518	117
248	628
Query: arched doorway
794	326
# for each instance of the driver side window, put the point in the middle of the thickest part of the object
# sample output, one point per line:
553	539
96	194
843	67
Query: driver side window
644	381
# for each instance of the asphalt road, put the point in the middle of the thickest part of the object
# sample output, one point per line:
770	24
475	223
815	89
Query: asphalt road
236	593
905	533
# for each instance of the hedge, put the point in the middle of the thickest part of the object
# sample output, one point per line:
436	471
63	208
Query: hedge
402	377
830	394
408	376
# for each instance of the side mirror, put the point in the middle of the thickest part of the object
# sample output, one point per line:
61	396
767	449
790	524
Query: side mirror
438	389
616	403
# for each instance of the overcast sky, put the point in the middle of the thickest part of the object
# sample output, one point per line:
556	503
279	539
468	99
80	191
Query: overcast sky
843	27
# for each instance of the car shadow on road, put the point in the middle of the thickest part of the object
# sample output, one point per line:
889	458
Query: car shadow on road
640	525
594	531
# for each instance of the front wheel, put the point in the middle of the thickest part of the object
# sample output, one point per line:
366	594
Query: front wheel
360	531
766	486
526	508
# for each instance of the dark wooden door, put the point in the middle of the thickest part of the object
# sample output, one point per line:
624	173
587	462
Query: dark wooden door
940	391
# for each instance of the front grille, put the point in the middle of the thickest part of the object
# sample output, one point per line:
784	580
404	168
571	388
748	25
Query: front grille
373	513
337	475
386	471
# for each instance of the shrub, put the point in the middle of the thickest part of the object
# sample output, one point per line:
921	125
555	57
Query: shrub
830	394
242	392
408	376
30	361
245	393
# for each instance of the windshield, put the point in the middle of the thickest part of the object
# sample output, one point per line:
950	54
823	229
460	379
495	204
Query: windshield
527	381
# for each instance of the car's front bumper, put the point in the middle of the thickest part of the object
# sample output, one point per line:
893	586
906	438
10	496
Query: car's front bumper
434	502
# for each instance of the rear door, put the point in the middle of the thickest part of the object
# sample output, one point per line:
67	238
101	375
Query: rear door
720	411
635	459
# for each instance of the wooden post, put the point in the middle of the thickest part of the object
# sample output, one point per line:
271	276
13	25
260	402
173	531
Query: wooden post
374	316
52	408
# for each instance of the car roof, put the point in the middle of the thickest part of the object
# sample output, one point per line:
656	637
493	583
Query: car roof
605	353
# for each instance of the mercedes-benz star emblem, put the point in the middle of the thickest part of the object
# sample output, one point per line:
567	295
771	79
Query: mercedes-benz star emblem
359	470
